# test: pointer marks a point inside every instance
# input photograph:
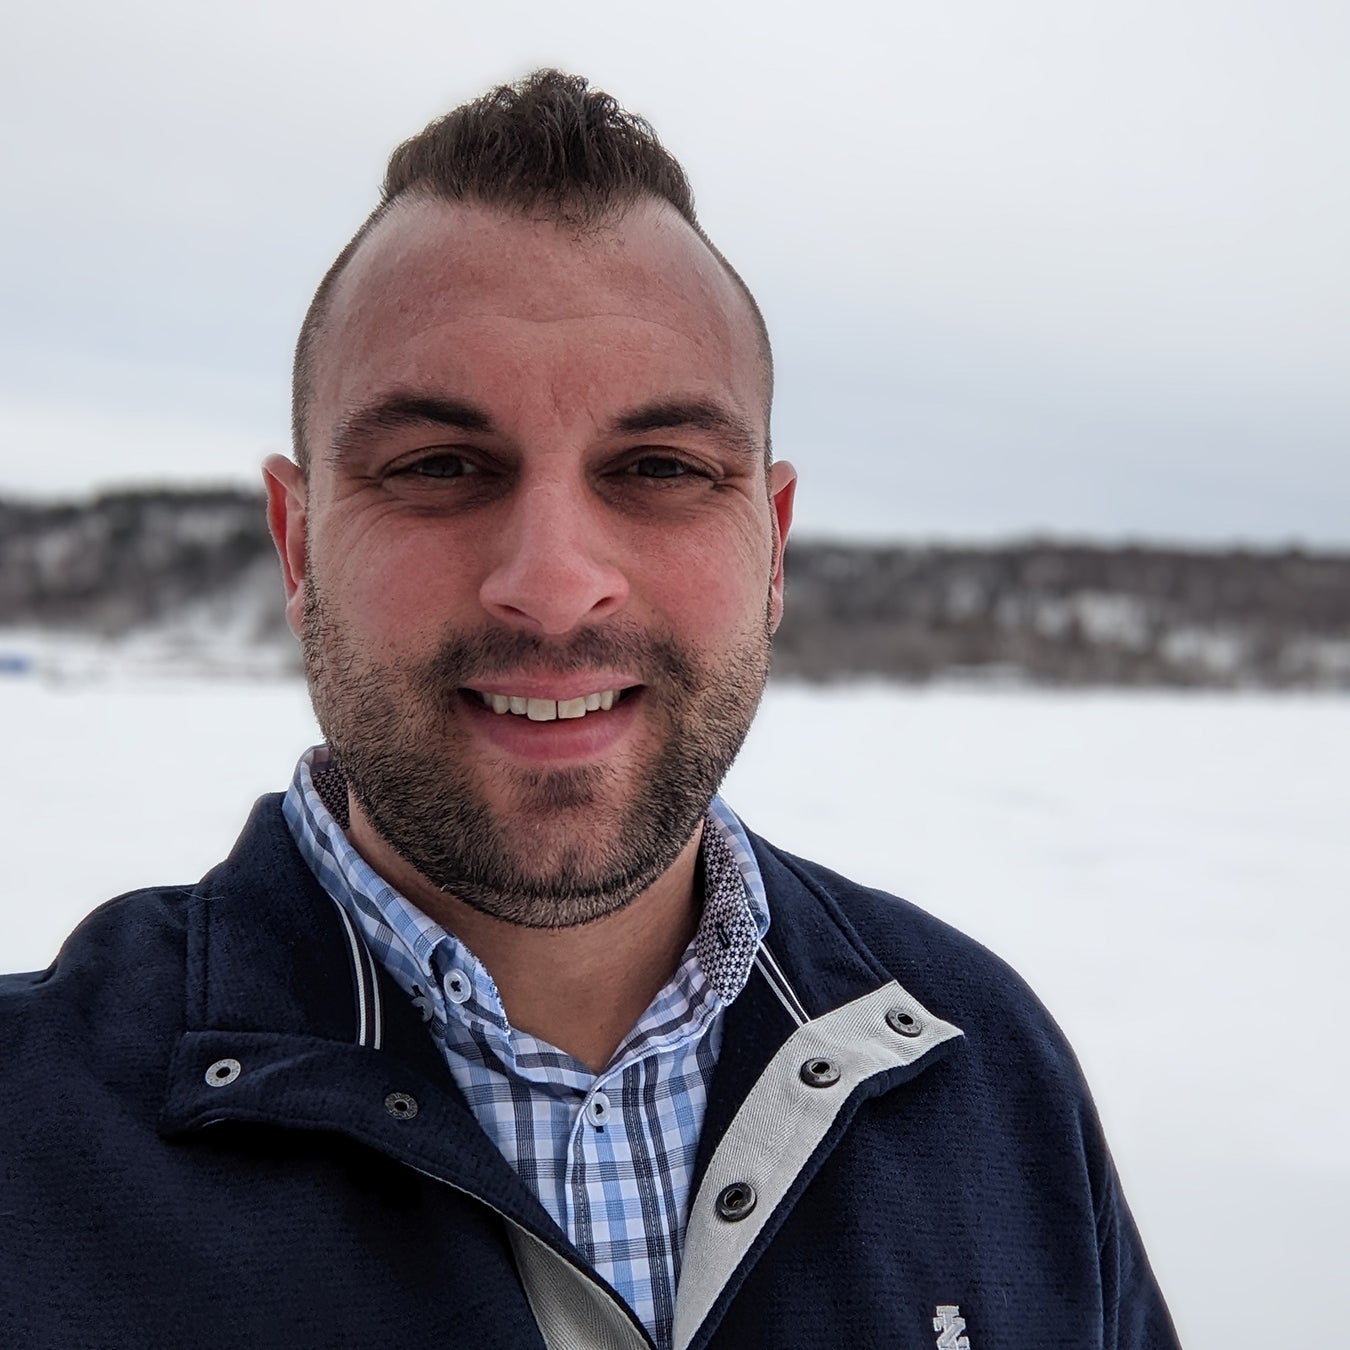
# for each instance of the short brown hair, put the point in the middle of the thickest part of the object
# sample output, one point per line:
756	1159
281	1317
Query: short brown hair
548	144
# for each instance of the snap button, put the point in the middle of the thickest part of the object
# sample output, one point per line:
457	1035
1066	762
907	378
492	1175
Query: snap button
457	986
400	1105
597	1110
906	1024
223	1071
734	1202
820	1073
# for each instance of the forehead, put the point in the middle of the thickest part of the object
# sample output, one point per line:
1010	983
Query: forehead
443	294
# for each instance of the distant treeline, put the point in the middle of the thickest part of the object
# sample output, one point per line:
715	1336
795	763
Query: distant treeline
1038	612
129	560
1069	614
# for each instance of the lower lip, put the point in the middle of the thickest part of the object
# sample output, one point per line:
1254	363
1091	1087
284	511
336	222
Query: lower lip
566	738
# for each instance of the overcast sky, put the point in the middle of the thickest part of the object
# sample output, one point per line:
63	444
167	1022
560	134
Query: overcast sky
1033	267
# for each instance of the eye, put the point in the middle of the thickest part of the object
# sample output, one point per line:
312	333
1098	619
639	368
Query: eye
661	466
442	464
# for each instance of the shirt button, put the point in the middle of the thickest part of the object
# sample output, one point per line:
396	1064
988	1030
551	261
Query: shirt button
597	1110
457	986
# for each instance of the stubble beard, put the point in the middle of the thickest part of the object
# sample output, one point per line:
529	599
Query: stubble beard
565	855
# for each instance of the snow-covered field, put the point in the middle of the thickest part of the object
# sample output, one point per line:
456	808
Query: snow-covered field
1171	872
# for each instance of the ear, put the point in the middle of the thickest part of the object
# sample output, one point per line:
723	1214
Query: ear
782	491
287	495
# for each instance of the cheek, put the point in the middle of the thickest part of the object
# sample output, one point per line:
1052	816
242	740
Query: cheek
714	587
400	588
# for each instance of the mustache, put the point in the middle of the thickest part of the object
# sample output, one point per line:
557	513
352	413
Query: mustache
490	652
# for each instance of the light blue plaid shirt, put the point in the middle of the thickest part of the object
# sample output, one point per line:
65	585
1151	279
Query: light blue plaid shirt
610	1156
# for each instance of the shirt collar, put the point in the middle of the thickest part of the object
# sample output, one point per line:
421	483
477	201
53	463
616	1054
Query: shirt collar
444	979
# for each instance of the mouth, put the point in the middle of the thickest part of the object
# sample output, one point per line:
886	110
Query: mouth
537	709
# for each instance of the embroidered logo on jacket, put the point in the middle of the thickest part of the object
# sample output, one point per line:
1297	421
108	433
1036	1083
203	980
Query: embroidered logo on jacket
949	1324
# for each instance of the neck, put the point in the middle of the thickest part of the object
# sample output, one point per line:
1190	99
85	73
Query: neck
583	988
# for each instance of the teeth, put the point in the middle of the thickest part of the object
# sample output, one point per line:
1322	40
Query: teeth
548	709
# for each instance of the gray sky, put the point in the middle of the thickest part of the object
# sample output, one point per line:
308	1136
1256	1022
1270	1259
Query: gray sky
1038	267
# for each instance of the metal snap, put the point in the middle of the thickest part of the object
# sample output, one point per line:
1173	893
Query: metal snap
401	1105
906	1024
223	1072
736	1201
820	1072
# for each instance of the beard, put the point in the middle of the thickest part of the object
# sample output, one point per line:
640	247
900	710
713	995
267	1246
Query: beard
576	843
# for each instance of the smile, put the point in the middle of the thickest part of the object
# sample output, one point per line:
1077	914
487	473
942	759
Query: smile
550	709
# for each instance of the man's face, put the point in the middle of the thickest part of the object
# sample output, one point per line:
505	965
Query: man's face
536	561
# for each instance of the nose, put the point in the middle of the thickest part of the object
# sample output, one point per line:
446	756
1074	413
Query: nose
554	566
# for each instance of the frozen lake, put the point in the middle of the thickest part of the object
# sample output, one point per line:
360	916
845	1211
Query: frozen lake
1171	873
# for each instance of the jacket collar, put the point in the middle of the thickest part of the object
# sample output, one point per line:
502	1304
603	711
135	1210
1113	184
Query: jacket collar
280	1001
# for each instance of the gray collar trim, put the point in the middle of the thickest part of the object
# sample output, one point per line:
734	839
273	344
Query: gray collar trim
780	1125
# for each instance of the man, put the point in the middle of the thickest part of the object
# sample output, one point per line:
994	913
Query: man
499	1029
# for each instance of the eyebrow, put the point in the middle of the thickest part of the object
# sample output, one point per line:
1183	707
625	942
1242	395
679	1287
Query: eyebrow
400	410
694	414
403	410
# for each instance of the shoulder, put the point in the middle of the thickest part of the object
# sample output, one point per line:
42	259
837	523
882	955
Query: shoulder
121	975
88	1040
128	937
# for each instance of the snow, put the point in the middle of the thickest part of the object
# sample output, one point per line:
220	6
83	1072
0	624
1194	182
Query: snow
1169	871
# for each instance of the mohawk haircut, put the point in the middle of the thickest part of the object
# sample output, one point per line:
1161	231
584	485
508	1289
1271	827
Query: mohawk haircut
548	145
